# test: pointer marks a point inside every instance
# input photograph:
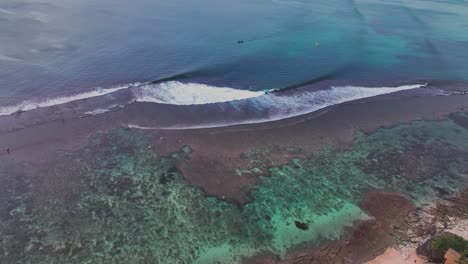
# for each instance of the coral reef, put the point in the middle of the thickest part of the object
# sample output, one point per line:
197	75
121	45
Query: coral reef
117	201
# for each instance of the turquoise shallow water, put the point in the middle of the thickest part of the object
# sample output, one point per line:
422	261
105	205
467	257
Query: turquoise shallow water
58	47
117	201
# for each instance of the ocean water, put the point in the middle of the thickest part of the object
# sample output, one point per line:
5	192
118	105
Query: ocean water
52	48
206	63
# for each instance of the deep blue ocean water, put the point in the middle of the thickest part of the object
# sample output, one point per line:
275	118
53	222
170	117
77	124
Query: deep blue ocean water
55	47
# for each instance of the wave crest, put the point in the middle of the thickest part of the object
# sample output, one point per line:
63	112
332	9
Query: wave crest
178	93
278	106
262	106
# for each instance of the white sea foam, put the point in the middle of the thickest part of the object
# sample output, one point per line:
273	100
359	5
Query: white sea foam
274	107
35	104
271	106
99	111
178	93
309	101
305	102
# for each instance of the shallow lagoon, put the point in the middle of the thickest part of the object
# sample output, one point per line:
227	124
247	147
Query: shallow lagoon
117	201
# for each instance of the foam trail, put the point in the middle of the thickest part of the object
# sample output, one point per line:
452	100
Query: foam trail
178	93
31	104
99	111
306	102
309	101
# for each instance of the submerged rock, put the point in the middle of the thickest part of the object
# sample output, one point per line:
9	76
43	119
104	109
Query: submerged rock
300	225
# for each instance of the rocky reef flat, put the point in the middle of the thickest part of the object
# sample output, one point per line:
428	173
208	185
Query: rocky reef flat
285	194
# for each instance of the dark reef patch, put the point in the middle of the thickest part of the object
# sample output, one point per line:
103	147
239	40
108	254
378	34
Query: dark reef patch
301	225
168	176
461	119
414	161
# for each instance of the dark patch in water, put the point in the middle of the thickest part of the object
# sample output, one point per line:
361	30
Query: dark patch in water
441	191
415	161
168	176
301	225
461	119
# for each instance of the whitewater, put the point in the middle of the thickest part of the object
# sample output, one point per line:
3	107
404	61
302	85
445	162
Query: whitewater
273	104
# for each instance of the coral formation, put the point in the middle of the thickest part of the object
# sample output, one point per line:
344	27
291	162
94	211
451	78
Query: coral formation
123	203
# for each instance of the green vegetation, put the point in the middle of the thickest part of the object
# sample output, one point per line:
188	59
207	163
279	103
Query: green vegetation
455	242
443	243
133	206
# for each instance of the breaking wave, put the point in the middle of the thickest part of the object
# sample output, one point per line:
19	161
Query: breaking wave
248	106
178	93
41	103
171	92
277	106
309	101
